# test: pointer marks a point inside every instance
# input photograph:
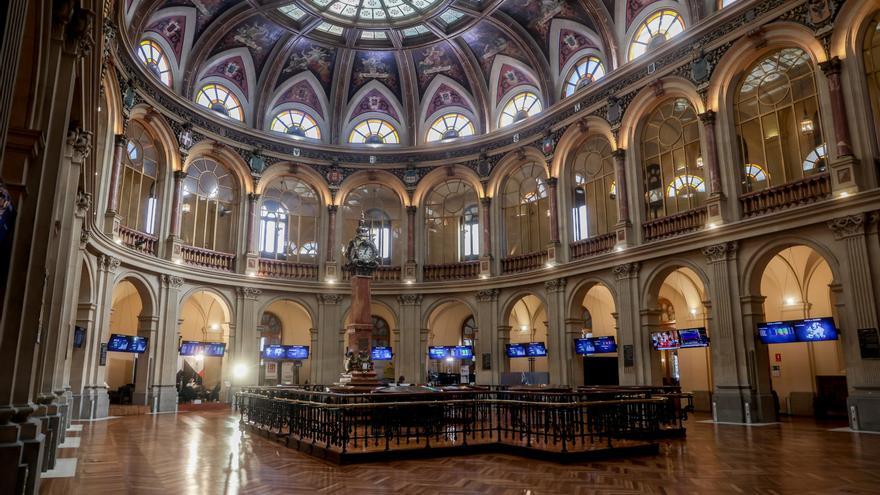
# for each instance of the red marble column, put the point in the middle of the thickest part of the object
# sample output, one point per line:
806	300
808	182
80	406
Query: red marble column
253	199
485	203
411	233
176	202
552	184
710	154
121	142
620	173
331	232
831	68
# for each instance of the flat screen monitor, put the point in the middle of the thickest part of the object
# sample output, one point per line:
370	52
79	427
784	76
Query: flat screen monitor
79	336
595	345
516	350
665	340
296	352
438	352
274	352
693	337
815	329
536	349
462	352
381	353
205	349
777	332
127	343
190	348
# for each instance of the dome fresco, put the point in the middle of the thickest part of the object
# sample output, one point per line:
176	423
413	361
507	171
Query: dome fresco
334	64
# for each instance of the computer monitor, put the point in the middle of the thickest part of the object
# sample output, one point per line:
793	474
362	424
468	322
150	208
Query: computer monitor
665	341
693	337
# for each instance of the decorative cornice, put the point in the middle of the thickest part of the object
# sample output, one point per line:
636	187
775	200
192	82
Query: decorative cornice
410	299
488	295
555	285
248	292
626	270
847	226
720	252
170	281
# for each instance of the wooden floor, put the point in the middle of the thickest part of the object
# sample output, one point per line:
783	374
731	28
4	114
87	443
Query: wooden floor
205	453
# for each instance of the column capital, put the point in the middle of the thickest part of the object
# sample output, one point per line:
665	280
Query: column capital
487	295
411	209
619	153
330	299
720	252
332	208
179	175
831	67
552	181
626	270
120	140
108	263
409	299
707	117
250	293
556	285
80	143
83	203
253	197
486	201
170	281
848	226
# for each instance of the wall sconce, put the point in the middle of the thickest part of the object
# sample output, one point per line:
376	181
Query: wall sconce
185	208
807	125
699	162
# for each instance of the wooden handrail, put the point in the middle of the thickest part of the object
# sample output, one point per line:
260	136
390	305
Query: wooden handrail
680	223
592	246
287	269
807	190
208	259
523	262
451	271
137	240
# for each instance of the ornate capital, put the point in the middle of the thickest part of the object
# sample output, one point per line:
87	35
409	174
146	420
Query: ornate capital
487	295
831	67
707	117
619	154
84	236
332	209
170	281
108	263
253	198
626	270
120	140
486	201
248	292
848	226
83	203
330	298
411	209
556	285
179	175
79	142
73	26
410	299
720	252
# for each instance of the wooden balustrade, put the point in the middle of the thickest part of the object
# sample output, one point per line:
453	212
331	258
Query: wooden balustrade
208	259
807	190
523	262
139	241
287	270
680	223
382	274
592	246
451	271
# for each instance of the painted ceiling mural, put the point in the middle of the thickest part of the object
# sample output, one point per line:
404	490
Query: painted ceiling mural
264	48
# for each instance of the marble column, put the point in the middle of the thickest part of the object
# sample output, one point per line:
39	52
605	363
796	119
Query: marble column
251	255
409	269
245	352
552	192
174	244
623	228
146	362
844	166
630	338
574	364
486	238
758	358
331	271
95	387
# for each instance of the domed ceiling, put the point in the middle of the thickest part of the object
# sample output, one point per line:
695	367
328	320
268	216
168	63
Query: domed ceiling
319	69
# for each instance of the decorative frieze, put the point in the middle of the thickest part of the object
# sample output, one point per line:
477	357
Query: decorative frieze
720	252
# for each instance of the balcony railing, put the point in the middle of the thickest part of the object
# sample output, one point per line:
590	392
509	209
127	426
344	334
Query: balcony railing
807	190
382	274
523	262
592	246
287	270
451	271
139	241
680	223
208	259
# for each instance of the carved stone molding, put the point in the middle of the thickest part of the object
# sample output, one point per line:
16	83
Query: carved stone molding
248	292
84	236
488	295
556	285
330	298
170	281
83	203
847	226
626	270
80	143
720	252
410	299
108	263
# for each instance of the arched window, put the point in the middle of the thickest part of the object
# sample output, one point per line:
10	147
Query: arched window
671	154
221	100
289	221
589	69
777	117
151	55
271	329
526	211
450	126
872	67
381	332
520	107
374	131
755	173
452	223
653	31
468	331
381	208
137	193
594	210
210	206
296	123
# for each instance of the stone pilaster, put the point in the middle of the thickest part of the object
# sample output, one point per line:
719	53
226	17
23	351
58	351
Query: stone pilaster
752	309
411	356
486	346
163	390
559	349
629	327
327	357
245	343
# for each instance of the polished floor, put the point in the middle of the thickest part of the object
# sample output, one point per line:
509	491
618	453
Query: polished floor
205	453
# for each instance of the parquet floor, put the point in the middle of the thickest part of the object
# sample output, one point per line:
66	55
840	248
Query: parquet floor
205	453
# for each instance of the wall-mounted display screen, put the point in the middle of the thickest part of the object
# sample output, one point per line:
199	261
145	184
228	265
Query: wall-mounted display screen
665	340
438	352
536	349
777	332
462	352
815	329
286	352
516	350
381	353
594	345
693	337
206	349
127	343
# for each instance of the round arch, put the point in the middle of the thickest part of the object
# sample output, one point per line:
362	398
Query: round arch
439	303
155	124
229	307
757	263
514	298
647	100
305	174
574	137
580	290
509	163
229	158
440	175
372	176
292	298
656	277
142	286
